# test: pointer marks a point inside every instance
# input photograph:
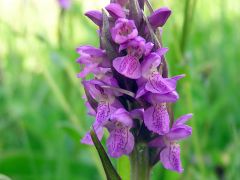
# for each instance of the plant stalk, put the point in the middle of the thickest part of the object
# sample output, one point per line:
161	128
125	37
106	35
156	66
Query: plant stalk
140	162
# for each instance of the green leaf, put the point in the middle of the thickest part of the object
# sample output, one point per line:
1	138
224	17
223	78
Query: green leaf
123	167
110	171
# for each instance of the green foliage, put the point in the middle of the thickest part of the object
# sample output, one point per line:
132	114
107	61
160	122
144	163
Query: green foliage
109	169
43	116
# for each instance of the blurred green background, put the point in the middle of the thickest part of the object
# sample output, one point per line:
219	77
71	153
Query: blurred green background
42	114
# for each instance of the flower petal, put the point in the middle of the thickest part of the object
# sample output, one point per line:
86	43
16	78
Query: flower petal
158	84
182	120
161	98
120	141
170	157
162	51
137	114
123	116
87	138
141	91
157	142
149	64
159	17
124	30
128	66
156	119
115	10
93	51
179	133
90	68
95	16
93	88
103	113
148	48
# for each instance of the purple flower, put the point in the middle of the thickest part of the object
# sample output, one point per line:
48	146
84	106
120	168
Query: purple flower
124	30
115	10
130	94
111	115
107	104
92	58
65	4
95	16
156	118
170	150
153	81
157	84
137	47
121	140
159	17
129	65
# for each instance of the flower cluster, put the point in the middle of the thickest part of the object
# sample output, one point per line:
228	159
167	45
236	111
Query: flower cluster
130	92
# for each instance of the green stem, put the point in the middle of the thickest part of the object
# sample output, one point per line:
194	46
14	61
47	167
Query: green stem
140	164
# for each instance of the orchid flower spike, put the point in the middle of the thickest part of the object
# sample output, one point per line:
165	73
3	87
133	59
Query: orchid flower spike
126	89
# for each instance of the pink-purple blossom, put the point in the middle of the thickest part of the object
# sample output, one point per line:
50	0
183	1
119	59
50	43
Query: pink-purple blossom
128	93
170	149
65	4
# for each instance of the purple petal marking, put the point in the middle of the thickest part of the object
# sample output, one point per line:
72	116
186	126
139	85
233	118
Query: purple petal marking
115	10
103	113
124	30
128	66
87	138
120	141
159	17
156	119
182	120
179	133
170	158
95	16
122	116
149	64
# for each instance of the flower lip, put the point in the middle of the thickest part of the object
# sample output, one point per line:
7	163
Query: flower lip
124	30
129	66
